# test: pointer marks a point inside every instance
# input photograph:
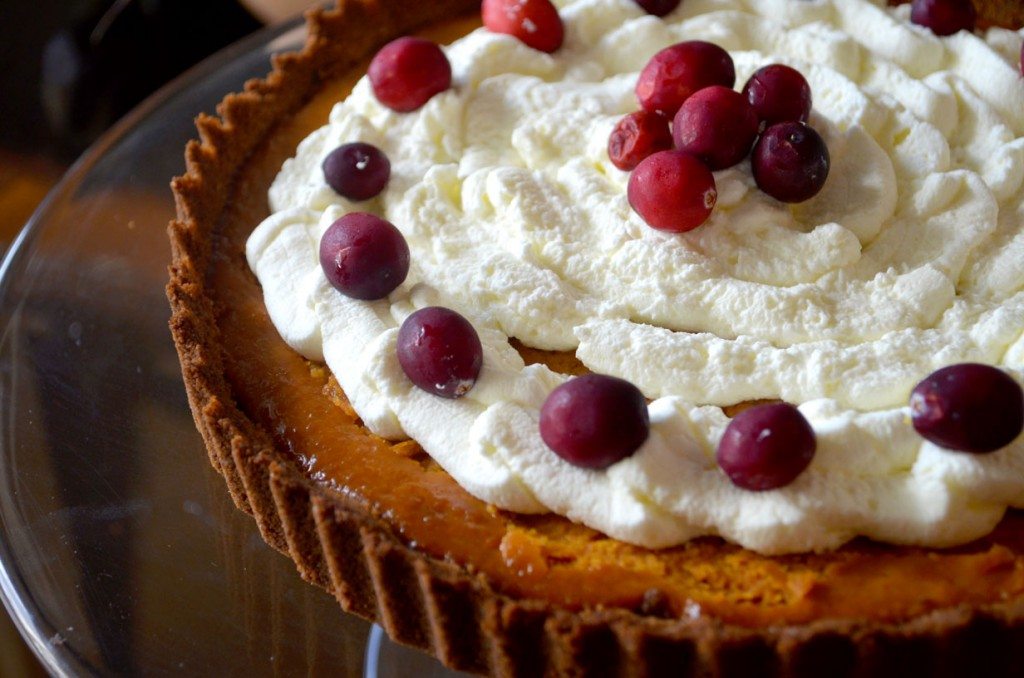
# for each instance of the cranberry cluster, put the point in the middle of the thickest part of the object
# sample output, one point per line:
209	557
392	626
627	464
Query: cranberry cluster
366	257
714	127
596	420
967	407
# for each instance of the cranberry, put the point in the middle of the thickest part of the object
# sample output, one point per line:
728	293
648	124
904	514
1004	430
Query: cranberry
440	351
676	72
790	162
716	124
658	7
766	447
357	171
407	72
944	17
779	93
968	407
672	191
535	23
637	136
363	256
594	420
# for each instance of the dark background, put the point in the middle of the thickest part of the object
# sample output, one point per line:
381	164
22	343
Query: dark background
70	68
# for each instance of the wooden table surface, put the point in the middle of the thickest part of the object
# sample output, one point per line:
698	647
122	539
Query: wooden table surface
24	182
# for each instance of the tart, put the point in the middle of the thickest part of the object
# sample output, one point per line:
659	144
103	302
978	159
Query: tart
395	539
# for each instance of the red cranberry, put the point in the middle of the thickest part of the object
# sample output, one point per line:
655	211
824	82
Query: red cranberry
535	23
357	171
363	256
676	72
779	93
790	162
407	72
672	191
440	351
658	7
766	447
594	420
716	124
944	17
968	407
637	136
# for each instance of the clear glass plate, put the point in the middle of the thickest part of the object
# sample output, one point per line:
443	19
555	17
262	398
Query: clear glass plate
120	549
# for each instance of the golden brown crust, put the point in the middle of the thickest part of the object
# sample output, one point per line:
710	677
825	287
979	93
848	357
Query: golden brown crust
430	602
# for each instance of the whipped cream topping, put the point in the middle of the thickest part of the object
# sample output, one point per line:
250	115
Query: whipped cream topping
910	259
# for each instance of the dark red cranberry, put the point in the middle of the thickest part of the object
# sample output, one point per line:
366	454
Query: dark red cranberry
716	124
535	23
968	407
594	420
407	72
766	447
440	351
676	72
364	256
944	17
658	7
790	162
672	191
357	171
779	93
637	136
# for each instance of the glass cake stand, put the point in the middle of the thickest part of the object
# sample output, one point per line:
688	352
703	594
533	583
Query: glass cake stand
120	549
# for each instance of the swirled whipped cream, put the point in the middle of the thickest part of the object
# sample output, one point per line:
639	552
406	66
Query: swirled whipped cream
910	259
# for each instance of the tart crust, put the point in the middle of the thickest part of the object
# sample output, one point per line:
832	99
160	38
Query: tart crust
429	597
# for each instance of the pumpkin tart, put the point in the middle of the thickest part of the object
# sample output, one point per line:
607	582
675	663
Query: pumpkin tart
396	540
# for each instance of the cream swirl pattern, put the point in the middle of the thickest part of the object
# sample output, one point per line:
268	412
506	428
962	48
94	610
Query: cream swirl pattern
911	258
